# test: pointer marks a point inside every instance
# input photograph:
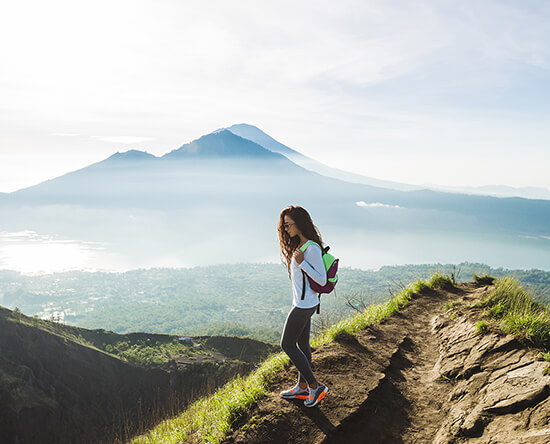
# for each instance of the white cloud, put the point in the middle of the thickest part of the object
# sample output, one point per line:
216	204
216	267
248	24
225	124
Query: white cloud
388	83
375	205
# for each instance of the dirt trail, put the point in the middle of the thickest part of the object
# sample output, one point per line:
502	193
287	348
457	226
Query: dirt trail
407	405
380	386
421	376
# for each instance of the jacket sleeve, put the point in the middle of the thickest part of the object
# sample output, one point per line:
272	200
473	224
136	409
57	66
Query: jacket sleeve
313	264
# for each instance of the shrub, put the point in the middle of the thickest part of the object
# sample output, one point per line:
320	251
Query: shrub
439	280
484	279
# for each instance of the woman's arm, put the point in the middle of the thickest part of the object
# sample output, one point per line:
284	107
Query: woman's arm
313	264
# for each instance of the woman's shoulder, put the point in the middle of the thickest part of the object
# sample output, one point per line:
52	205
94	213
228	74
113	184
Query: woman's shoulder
315	245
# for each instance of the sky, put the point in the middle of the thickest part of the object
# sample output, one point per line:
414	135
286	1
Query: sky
427	92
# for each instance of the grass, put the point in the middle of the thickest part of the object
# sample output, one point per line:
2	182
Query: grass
484	279
514	311
209	419
141	349
449	305
481	328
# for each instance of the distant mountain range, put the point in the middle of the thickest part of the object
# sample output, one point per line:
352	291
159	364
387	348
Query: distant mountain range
225	169
227	188
255	134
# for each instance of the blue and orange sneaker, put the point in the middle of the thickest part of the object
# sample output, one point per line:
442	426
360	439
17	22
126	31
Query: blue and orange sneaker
315	395
295	392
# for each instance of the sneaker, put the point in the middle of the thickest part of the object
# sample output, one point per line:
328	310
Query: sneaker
295	392
315	395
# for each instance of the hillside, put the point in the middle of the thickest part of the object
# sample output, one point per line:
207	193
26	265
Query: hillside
68	384
441	362
426	374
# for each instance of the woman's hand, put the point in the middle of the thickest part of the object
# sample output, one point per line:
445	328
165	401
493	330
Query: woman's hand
299	256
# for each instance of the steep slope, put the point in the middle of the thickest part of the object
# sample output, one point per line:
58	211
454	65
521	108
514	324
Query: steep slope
55	386
423	375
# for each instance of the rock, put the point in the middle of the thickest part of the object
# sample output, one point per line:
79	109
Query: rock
517	390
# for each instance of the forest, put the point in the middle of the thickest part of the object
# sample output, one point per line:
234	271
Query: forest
239	299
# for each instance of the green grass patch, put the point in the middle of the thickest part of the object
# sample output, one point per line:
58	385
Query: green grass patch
449	305
517	313
439	280
209	419
481	328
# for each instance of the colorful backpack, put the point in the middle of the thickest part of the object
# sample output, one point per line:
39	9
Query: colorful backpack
331	267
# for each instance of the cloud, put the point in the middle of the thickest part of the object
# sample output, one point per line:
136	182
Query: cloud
389	82
375	205
64	134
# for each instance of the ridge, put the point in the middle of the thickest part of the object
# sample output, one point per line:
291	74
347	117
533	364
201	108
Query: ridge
430	372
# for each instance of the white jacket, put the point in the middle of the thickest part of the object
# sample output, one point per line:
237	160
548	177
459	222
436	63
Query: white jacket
315	268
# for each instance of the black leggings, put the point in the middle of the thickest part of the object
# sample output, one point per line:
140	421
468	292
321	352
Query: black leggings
296	331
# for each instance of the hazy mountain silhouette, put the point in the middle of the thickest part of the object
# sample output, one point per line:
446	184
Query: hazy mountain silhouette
257	135
221	143
224	169
497	191
223	190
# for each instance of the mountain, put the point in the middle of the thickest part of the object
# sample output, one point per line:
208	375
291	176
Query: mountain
498	191
224	170
136	178
255	134
221	143
207	199
67	384
130	156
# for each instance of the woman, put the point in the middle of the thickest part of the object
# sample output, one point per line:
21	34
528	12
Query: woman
295	229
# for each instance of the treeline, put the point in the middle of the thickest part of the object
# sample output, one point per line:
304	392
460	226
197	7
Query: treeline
240	299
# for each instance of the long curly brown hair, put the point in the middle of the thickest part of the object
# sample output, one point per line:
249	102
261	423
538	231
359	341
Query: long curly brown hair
304	223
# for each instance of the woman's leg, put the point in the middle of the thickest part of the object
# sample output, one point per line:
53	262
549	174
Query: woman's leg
295	324
303	345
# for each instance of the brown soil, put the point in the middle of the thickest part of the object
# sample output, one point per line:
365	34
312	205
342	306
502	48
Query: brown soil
391	383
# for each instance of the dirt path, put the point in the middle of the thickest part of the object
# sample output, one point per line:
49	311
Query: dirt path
381	387
422	376
408	404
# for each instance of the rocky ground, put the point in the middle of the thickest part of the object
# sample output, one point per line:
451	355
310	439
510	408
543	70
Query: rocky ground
421	376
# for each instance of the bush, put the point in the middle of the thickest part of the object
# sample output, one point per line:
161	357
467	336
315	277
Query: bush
484	279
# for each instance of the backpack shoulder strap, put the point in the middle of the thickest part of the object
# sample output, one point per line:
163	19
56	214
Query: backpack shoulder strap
303	284
307	244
